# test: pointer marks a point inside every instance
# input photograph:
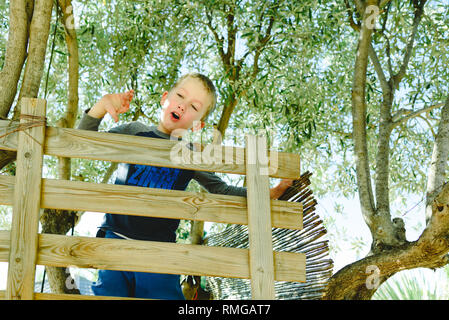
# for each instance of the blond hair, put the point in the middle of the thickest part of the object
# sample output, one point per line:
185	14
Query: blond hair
208	85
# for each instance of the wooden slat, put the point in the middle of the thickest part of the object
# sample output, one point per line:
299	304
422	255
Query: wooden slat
73	143
160	257
87	196
259	221
9	135
26	204
5	244
54	296
85	252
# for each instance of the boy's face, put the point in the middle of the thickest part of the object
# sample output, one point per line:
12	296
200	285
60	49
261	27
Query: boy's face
183	106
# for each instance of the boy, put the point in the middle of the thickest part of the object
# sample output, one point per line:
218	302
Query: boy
189	102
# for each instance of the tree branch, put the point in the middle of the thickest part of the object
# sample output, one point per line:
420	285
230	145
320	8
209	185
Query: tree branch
419	10
385	233
388	50
359	123
262	43
382	228
438	165
434	136
232	39
233	67
39	31
351	21
383	3
403	115
259	48
73	69
218	39
435	236
16	51
378	68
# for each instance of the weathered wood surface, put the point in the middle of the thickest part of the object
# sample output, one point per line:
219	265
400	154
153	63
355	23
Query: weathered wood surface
62	296
151	256
23	247
160	257
261	259
26	204
74	143
87	196
5	244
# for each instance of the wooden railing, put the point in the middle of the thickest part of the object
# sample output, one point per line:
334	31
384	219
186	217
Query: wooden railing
28	193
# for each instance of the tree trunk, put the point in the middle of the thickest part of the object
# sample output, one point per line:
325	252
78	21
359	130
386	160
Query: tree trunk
228	109
20	14
60	221
6	157
233	67
361	279
39	30
15	54
438	165
390	251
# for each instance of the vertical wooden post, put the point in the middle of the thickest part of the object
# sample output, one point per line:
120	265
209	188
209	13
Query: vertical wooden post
259	222
26	203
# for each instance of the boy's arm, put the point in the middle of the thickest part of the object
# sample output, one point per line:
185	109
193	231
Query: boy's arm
91	123
114	104
212	183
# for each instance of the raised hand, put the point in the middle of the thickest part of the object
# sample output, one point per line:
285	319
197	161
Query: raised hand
113	103
118	103
278	190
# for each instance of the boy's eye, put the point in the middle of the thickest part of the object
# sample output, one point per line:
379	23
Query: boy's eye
180	95
194	108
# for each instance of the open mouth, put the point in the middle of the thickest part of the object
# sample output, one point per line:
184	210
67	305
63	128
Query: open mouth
175	115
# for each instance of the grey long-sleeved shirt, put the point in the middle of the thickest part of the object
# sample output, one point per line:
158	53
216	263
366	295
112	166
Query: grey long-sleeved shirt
143	228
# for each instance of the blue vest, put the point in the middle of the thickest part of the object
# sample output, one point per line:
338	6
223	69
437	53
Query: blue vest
145	228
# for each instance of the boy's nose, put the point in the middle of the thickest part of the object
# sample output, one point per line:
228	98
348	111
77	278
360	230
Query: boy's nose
181	107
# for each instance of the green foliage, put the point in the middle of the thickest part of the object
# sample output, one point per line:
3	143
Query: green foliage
301	91
5	217
3	31
417	284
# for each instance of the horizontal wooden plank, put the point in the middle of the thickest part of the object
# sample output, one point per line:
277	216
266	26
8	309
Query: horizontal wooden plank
5	243
149	256
9	135
160	257
54	296
74	143
172	204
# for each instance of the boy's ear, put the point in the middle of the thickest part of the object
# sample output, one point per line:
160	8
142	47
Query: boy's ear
198	125
163	97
